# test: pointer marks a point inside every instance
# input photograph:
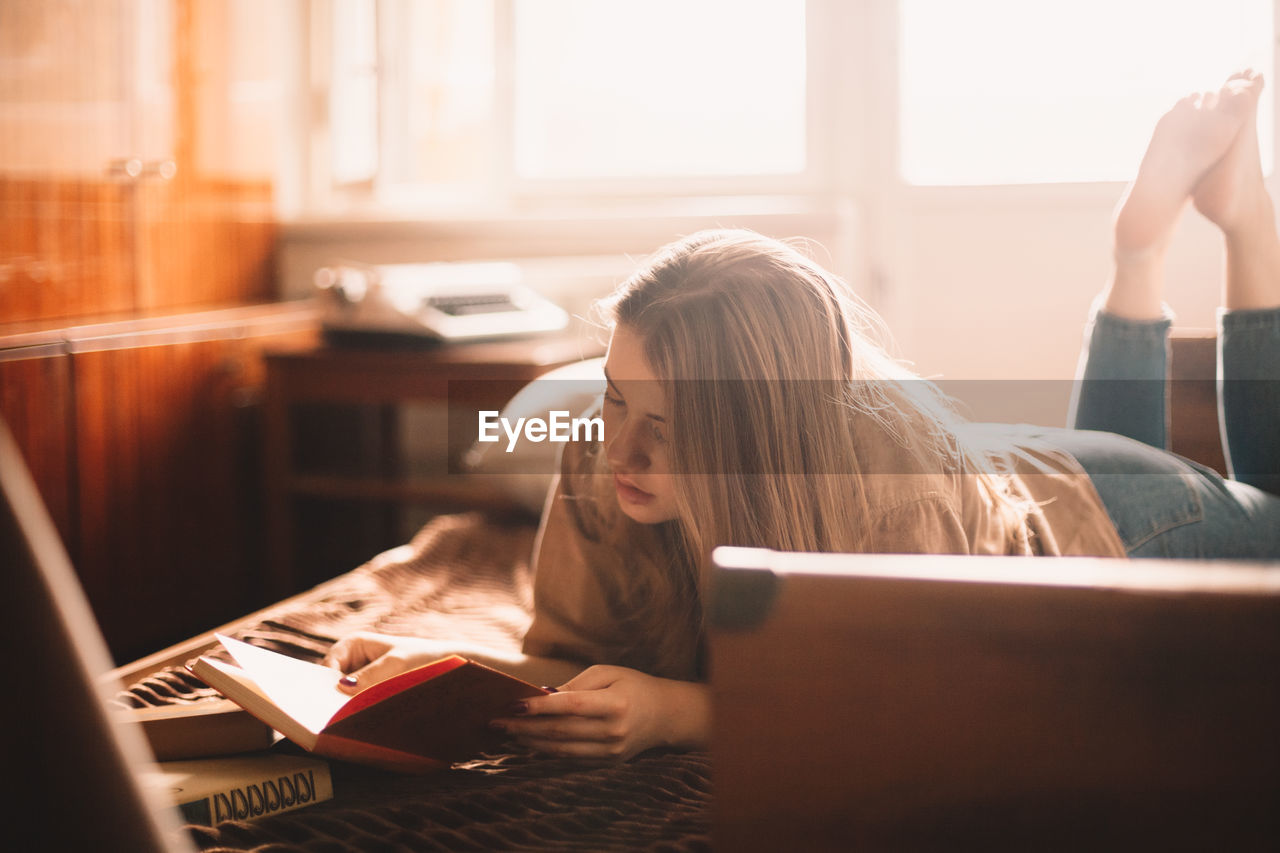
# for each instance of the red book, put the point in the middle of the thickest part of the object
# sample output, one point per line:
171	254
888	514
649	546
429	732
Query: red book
423	719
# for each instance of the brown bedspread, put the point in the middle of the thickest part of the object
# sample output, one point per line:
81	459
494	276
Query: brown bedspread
465	578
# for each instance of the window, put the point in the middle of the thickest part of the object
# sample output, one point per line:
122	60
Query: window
353	94
1010	92
452	104
658	89
448	101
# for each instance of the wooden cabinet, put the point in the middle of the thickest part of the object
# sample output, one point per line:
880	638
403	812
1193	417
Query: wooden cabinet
68	95
145	438
138	141
137	149
36	402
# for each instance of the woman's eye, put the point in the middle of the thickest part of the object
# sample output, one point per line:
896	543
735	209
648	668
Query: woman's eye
613	401
658	436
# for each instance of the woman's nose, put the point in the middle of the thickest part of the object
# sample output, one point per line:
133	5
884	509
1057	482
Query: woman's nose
624	451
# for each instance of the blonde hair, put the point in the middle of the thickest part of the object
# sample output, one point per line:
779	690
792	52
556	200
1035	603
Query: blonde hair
770	365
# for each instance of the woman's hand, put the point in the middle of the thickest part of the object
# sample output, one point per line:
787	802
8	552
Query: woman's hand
368	658
613	713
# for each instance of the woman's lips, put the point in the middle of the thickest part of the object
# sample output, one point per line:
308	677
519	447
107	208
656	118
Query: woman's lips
630	493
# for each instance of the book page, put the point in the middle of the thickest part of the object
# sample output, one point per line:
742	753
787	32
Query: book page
307	692
232	681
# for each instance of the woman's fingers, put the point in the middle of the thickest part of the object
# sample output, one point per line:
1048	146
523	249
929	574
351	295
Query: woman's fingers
578	703
379	670
559	729
583	695
587	722
603	750
605	712
595	678
355	651
366	659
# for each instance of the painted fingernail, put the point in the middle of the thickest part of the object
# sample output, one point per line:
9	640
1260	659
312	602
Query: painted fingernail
496	726
550	689
520	708
348	681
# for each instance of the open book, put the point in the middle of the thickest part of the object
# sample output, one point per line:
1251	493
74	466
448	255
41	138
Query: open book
423	719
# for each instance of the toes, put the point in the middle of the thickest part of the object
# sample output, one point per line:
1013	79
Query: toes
1185	104
1247	82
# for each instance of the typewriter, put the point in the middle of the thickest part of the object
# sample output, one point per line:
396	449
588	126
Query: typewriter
440	301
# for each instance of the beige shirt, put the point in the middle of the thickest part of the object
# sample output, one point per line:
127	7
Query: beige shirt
584	601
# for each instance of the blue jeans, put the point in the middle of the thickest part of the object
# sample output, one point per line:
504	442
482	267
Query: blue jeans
1162	504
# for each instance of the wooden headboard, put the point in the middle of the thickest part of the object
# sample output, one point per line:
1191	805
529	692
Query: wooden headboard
1193	401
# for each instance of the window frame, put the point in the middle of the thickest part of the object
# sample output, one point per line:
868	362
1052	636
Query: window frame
316	193
851	141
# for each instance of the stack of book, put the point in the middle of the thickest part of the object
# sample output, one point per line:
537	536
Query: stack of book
421	720
215	761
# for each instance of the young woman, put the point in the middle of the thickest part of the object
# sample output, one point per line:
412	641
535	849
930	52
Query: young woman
748	403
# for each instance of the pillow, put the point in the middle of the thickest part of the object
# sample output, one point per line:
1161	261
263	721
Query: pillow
525	473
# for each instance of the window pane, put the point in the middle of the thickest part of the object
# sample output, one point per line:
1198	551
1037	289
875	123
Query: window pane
353	96
659	88
443	117
1006	92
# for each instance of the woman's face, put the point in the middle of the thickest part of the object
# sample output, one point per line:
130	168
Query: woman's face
636	429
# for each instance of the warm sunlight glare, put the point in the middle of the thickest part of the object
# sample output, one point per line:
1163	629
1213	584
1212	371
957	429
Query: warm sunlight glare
601	88
1007	92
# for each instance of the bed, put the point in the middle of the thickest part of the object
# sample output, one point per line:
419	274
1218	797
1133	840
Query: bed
466	576
463	576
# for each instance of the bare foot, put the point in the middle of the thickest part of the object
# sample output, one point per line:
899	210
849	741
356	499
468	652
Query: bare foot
1231	193
1187	144
1187	141
1233	196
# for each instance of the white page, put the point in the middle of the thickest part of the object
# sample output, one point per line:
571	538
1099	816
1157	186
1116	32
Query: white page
305	691
232	681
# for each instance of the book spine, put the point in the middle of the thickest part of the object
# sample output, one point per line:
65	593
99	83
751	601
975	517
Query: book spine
256	799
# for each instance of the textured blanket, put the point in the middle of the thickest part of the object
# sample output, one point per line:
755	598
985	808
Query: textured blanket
466	578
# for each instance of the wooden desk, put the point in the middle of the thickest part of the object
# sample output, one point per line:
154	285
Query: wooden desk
380	380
